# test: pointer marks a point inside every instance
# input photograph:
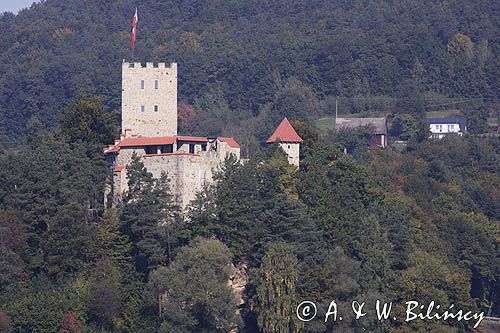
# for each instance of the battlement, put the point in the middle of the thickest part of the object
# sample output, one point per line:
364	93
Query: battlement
139	65
149	98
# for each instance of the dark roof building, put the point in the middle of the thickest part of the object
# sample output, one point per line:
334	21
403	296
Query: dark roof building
460	120
440	127
379	124
379	139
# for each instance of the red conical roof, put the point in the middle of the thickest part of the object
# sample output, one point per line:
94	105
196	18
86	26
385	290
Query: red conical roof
284	133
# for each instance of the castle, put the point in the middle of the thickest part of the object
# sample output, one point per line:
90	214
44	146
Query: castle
149	129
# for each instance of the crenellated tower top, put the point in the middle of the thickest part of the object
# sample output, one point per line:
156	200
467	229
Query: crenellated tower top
149	99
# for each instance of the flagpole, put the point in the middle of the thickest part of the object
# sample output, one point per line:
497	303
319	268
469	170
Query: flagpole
133	33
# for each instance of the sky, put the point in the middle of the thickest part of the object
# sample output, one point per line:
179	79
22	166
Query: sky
14	5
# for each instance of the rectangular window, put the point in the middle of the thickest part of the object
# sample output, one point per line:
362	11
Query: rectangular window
156	108
151	149
191	148
166	149
156	84
204	147
440	128
142	84
142	108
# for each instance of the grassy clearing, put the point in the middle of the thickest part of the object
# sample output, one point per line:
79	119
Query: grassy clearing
324	124
442	114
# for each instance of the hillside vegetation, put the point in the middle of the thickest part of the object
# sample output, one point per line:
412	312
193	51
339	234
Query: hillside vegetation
420	223
242	59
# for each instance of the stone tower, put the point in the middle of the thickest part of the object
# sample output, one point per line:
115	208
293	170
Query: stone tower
149	99
288	140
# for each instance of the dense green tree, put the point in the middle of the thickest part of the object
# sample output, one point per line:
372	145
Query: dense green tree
104	298
150	216
193	290
276	283
408	127
110	242
13	249
353	141
295	101
86	120
67	242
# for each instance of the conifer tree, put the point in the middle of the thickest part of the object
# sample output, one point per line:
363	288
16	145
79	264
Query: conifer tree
276	283
110	242
150	216
104	300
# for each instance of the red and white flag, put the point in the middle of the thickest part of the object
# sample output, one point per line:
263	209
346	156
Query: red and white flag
133	31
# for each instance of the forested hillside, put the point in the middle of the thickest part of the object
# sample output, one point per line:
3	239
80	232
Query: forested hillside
418	222
242	59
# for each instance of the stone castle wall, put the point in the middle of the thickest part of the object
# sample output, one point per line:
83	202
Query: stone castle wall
143	88
292	150
188	173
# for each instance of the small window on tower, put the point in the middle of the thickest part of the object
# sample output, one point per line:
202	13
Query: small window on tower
204	147
142	84
156	108
156	84
191	148
142	108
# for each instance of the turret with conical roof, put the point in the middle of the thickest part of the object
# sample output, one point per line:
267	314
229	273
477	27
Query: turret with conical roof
288	139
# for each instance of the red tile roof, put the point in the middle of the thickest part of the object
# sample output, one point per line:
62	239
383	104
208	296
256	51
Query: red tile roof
119	168
132	142
172	154
140	142
191	138
111	149
230	141
284	133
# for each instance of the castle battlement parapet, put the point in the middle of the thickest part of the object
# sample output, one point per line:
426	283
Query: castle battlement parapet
139	65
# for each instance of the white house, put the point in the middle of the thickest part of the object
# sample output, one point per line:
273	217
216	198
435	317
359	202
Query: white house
439	127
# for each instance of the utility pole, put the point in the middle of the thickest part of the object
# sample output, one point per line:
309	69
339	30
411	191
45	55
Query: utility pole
336	110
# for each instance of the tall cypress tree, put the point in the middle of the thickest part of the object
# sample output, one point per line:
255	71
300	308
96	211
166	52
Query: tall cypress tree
276	281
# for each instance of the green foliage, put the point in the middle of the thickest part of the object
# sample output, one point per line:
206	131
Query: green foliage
193	290
408	128
276	282
111	243
43	308
67	242
86	120
150	217
353	141
104	296
13	248
240	66
294	100
422	224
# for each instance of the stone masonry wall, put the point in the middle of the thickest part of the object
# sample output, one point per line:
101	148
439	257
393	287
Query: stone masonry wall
163	94
187	172
292	150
